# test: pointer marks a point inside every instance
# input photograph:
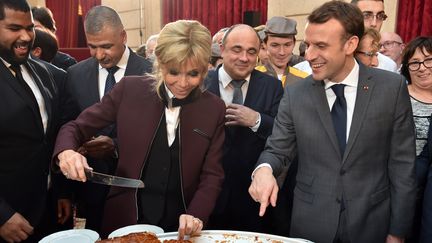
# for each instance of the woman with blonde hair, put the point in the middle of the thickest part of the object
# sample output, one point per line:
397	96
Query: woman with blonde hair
166	137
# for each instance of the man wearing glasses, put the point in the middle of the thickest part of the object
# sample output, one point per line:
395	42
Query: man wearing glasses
392	46
374	16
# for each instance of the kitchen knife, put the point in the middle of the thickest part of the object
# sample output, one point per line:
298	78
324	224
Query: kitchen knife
111	180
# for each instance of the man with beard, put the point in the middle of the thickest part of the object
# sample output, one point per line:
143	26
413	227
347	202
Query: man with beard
87	82
28	124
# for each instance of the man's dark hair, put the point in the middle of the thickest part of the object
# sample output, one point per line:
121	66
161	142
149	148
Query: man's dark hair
19	5
47	42
44	16
424	43
347	14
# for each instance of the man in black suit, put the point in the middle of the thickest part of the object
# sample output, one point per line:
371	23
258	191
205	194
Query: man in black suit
87	81
28	124
251	109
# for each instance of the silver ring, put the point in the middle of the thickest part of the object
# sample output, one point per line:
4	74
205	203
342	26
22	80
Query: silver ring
66	175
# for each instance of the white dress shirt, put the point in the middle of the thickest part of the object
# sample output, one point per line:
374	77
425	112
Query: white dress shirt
227	91
172	118
386	63
36	92
103	72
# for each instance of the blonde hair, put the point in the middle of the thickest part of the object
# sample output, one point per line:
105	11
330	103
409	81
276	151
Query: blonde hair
376	37
179	42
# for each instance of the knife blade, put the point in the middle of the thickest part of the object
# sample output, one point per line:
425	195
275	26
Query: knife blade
111	180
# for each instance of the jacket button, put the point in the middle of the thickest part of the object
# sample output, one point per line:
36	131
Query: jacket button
342	172
338	200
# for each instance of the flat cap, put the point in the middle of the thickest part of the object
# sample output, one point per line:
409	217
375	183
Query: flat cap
261	35
215	50
281	26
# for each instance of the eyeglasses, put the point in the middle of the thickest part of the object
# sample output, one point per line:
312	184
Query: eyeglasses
414	66
368	53
390	44
369	16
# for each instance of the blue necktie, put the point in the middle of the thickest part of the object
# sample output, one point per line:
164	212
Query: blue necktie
238	94
339	115
110	80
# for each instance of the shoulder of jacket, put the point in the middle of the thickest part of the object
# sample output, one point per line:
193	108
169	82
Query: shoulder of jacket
297	72
261	68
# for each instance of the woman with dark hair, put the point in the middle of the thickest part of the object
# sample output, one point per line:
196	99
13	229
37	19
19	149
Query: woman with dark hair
166	137
417	68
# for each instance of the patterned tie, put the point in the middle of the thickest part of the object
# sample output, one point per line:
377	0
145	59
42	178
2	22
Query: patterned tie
339	115
18	75
238	94
110	80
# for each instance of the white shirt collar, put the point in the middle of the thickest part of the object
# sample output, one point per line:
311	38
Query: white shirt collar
123	60
350	80
225	78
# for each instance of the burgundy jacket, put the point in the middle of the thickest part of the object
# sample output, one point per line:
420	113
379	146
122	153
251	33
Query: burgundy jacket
135	107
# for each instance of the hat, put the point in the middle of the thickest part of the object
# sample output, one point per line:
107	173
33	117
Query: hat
261	35
281	26
215	50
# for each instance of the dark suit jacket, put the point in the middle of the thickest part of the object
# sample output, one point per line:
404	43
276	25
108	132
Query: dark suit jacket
63	60
243	146
83	77
137	111
424	176
375	175
25	148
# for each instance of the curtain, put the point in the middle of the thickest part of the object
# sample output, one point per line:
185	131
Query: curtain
414	19
211	13
67	16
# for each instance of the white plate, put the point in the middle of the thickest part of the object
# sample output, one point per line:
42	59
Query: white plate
72	236
136	228
211	236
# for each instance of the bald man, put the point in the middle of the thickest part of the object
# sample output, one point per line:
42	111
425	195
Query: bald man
392	46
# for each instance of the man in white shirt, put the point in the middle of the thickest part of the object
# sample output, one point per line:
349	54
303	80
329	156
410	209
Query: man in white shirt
374	16
252	100
392	46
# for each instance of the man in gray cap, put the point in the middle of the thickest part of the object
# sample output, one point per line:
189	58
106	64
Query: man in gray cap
215	58
279	43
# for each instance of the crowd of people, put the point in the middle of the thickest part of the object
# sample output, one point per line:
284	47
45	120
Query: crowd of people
228	132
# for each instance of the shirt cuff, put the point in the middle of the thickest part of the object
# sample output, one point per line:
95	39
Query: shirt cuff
259	166
257	123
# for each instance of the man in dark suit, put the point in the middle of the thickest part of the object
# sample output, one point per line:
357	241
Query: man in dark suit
28	125
249	120
87	81
352	129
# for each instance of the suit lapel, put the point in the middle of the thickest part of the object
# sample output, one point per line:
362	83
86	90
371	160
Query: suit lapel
46	94
319	98
92	82
364	91
11	80
253	90
212	82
